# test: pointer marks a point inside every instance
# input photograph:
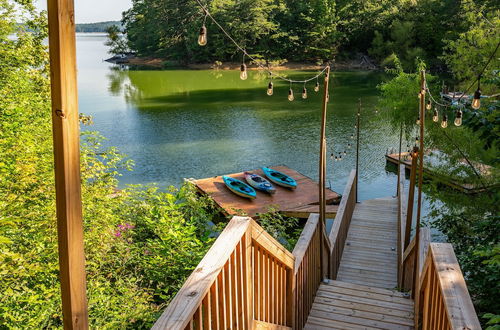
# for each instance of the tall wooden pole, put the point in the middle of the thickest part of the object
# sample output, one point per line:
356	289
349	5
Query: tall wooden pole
399	156
358	117
420	182
66	135
322	164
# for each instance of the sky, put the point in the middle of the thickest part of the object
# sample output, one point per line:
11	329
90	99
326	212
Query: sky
91	11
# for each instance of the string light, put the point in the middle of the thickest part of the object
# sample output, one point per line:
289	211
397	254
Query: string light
352	136
331	156
435	116
418	120
458	118
316	87
243	70
290	93
304	92
345	152
476	101
202	36
349	146
429	105
444	123
270	88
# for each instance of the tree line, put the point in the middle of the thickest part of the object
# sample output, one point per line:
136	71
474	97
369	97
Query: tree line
311	31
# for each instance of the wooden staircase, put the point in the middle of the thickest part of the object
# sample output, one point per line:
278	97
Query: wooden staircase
342	305
344	279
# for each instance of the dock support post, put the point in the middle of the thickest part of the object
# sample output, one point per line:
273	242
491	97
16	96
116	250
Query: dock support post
322	163
66	135
358	117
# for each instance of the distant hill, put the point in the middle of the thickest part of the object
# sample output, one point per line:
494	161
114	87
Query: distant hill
96	27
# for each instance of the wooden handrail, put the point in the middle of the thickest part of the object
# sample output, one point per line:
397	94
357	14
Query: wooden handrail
338	233
245	280
445	302
307	268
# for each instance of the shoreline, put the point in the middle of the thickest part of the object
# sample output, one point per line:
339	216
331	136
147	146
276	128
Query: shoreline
159	63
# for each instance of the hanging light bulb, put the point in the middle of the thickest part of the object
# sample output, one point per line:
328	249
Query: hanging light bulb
352	136
476	101
290	93
202	36
304	92
243	72
429	105
316	87
458	118
416	141
270	88
435	115
444	123
349	146
418	120
331	156
336	159
345	152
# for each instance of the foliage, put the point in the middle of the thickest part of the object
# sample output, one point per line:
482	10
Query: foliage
116	42
284	229
97	27
468	54
140	242
471	224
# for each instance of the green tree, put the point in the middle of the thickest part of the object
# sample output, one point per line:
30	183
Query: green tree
116	42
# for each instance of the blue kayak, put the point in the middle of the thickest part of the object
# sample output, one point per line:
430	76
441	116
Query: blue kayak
280	178
240	188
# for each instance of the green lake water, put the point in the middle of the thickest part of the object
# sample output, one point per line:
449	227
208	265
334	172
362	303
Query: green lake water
179	124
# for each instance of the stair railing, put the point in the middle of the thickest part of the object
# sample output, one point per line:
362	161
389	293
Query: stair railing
443	299
245	281
338	233
308	270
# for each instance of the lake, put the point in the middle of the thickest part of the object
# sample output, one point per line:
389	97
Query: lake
179	124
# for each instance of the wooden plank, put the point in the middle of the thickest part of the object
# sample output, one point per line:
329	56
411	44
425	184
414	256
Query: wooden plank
306	193
355	321
260	325
366	294
365	307
306	210
182	307
364	314
366	288
367	301
66	140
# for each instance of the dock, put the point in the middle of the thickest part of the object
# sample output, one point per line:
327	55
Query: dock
299	202
467	188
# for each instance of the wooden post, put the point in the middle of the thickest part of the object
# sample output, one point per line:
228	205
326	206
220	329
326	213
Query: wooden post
399	157
420	183
322	161
358	117
411	197
66	135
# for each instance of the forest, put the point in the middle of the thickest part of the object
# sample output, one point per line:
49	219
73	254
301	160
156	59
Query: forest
143	242
96	27
311	31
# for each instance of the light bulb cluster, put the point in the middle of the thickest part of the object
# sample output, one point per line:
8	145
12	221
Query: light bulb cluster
339	157
202	41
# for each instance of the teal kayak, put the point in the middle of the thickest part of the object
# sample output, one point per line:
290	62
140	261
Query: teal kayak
240	188
280	178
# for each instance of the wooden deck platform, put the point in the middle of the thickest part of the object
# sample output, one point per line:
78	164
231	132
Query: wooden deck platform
299	202
342	305
468	188
370	256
